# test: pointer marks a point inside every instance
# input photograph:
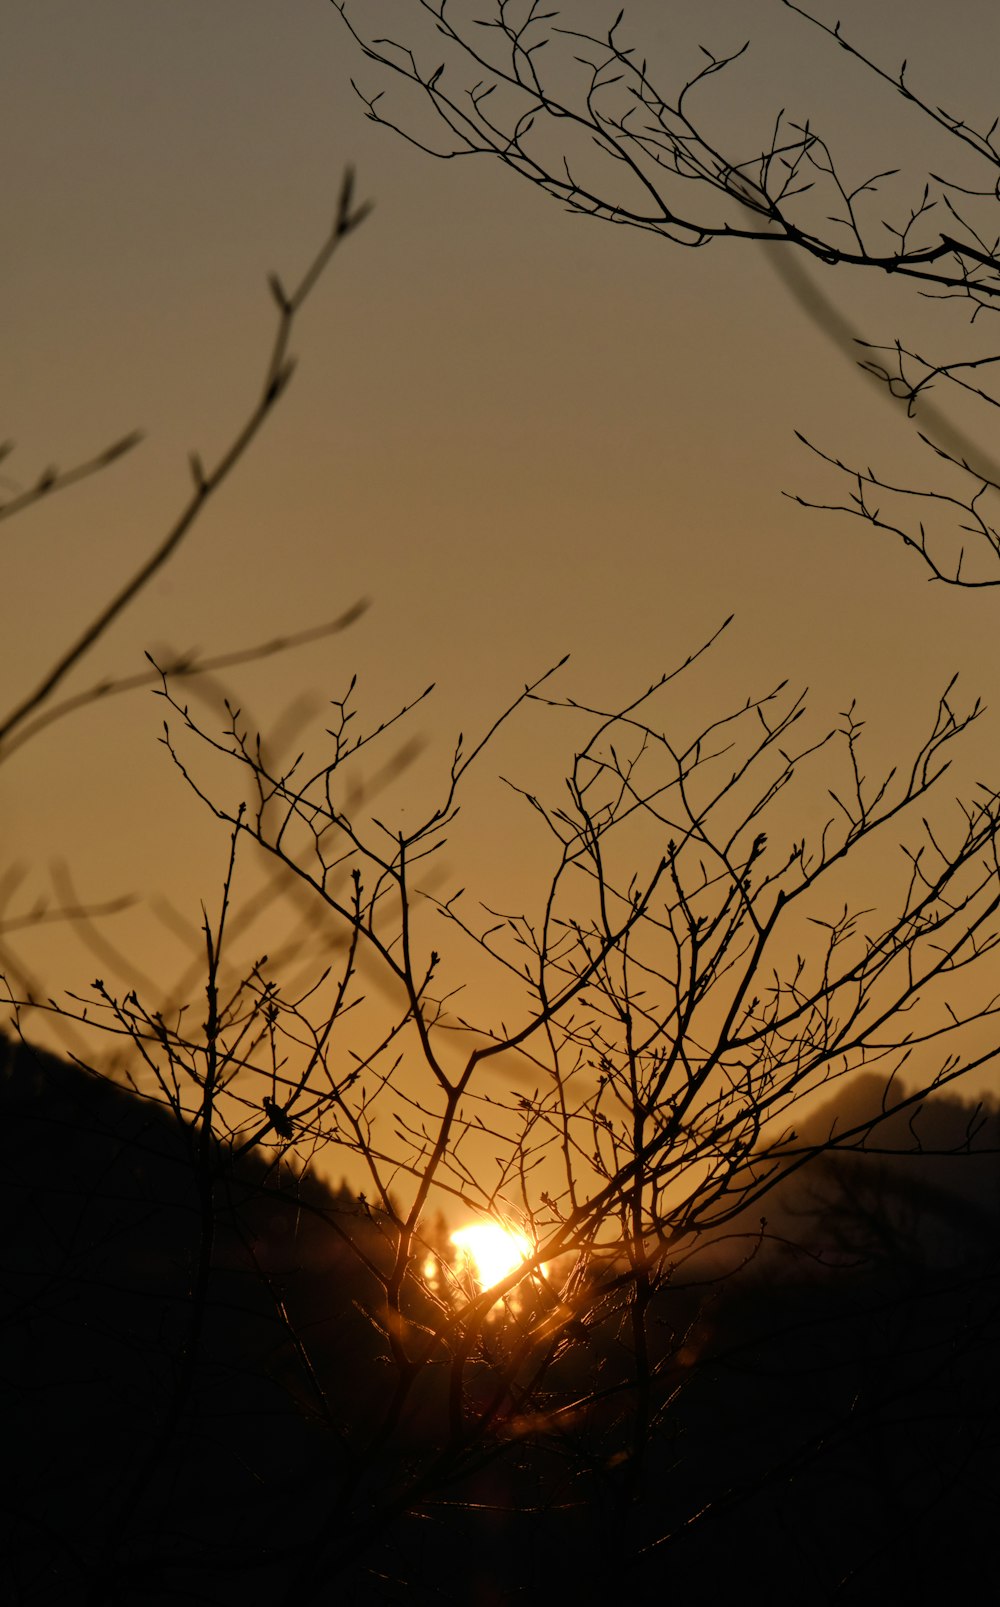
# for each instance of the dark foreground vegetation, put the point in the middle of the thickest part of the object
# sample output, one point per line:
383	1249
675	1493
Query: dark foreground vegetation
223	1382
181	1425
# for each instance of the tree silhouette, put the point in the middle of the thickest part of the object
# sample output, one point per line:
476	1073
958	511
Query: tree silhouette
296	1385
591	115
628	1097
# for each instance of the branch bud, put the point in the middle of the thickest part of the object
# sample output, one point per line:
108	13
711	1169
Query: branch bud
278	292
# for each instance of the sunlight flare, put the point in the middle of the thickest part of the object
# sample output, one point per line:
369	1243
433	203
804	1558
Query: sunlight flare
490	1251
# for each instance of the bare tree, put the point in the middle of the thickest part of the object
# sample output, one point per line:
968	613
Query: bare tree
42	706
607	1075
35	710
582	111
695	969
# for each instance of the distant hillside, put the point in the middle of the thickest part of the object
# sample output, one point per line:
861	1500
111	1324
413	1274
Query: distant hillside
829	1422
924	1190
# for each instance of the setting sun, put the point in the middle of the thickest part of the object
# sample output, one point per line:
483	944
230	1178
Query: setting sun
490	1251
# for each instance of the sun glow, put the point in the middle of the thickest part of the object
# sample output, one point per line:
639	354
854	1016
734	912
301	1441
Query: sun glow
490	1251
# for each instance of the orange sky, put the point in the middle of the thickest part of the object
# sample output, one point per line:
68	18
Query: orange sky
520	434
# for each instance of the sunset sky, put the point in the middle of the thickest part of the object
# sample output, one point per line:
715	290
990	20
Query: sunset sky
520	434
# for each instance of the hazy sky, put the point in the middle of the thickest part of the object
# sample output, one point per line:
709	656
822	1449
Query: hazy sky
520	434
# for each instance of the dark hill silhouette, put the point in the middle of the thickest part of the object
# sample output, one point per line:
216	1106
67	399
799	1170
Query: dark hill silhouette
925	1189
831	1422
111	1395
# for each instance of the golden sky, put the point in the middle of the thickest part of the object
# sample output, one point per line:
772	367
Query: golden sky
519	433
